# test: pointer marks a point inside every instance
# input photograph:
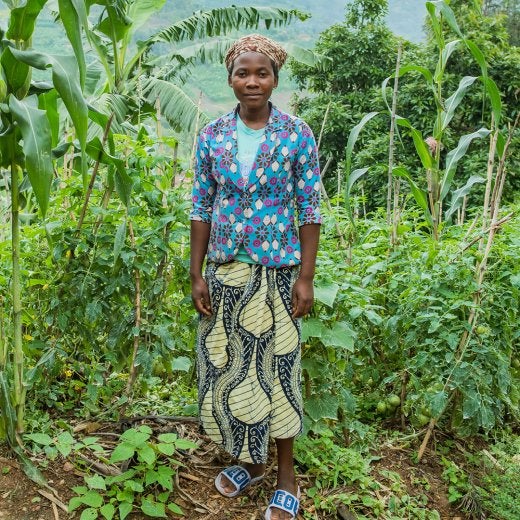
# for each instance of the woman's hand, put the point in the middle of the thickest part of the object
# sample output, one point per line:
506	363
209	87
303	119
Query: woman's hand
200	296
302	297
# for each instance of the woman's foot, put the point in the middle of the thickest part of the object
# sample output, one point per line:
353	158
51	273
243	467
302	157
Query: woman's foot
254	470
287	482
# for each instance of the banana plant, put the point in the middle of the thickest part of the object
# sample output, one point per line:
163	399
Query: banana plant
440	176
135	77
29	145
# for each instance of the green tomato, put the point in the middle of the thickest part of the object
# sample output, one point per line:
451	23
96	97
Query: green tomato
394	400
516	362
381	407
422	420
425	410
482	329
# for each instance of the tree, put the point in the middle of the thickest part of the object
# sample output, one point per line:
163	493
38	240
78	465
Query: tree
363	51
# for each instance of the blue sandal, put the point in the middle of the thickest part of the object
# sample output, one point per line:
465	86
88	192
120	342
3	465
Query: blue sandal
239	477
284	501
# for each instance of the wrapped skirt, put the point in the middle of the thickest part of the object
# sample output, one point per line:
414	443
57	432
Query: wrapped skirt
249	359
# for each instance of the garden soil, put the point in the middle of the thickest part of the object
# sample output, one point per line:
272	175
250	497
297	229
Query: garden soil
21	499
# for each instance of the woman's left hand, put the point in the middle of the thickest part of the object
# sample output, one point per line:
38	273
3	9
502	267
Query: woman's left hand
302	297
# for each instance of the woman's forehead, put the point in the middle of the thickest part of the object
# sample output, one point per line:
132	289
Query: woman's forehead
252	59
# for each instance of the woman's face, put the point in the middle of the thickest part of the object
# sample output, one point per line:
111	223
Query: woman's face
252	80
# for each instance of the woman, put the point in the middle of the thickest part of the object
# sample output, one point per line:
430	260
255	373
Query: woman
256	179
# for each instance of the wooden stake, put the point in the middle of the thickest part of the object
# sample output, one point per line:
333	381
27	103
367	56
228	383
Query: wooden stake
137	323
391	146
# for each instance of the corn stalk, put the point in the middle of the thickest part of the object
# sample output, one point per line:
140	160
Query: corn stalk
492	208
19	393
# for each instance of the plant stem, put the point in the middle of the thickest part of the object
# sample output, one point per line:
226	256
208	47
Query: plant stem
16	292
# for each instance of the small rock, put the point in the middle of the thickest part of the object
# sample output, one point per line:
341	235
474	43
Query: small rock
68	466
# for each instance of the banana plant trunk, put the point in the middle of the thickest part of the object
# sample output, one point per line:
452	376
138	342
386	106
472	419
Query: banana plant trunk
19	393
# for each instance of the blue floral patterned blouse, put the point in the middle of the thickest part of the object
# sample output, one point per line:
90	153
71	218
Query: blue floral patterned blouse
260	213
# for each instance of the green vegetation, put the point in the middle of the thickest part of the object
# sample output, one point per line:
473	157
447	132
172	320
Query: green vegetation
413	341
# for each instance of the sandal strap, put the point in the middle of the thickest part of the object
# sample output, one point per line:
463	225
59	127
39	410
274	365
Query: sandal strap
285	501
238	476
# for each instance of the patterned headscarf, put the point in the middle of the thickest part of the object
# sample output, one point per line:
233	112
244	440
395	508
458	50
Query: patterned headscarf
256	43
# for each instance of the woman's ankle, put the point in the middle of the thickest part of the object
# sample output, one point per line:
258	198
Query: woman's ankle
255	470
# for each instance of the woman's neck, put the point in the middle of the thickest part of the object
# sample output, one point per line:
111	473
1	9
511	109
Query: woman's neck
255	119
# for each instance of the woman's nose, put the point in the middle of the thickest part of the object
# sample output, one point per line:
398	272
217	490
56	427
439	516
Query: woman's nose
252	81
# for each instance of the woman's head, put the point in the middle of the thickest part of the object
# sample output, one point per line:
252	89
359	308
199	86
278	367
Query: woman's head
260	44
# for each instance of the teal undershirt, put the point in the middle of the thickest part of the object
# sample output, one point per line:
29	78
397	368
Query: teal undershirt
248	140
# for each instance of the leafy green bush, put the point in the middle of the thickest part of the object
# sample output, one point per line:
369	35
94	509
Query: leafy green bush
147	485
391	318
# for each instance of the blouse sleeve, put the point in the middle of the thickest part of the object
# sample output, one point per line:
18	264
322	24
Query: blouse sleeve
204	185
307	173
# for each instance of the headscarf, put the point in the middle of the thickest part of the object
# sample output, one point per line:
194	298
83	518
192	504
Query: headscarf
256	43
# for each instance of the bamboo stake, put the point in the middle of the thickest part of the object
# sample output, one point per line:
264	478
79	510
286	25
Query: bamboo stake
104	204
3	339
137	323
391	145
490	168
501	172
195	133
462	215
94	174
503	220
167	228
404	382
325	117
326	199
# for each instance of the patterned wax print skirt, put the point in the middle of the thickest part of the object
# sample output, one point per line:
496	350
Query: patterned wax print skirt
249	359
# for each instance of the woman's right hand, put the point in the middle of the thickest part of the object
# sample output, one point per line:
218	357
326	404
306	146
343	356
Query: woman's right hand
200	296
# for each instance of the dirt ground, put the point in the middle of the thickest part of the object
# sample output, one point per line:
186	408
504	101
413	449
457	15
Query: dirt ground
21	499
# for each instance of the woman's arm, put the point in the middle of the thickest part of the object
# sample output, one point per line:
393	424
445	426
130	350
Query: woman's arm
199	238
303	290
307	194
203	195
